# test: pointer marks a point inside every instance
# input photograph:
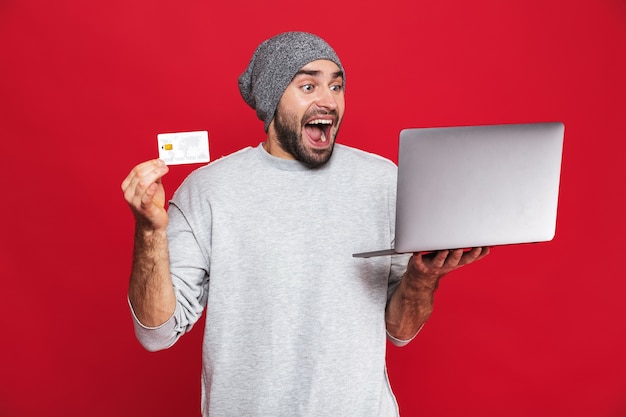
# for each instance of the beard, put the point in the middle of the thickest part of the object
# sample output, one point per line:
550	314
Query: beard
288	132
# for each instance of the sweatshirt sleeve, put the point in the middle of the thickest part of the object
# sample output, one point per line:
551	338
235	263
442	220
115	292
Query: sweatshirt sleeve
189	272
155	338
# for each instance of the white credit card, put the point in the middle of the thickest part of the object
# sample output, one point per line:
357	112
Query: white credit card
184	147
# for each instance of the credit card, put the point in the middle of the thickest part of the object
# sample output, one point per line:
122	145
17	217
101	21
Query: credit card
184	147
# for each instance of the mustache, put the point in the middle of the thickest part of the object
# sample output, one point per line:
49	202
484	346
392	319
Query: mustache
321	112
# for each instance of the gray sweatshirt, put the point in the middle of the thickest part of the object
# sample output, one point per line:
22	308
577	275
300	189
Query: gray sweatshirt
294	324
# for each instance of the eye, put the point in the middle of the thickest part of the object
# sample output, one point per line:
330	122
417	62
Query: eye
307	87
337	88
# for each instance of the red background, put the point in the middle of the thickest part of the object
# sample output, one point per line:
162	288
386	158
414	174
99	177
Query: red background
533	330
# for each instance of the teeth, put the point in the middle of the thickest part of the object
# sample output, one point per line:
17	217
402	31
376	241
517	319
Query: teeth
323	137
321	122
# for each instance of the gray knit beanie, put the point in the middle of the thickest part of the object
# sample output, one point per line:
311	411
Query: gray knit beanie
274	64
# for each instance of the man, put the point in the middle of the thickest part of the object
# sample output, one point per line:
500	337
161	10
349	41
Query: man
295	326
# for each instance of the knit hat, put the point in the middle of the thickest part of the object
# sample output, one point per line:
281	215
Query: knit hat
274	64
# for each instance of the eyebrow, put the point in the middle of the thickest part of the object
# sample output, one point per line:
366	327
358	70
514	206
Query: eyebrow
316	73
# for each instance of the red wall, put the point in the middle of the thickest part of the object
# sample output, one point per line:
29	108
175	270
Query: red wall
534	330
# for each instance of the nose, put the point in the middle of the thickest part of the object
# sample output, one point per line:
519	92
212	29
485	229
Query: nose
327	99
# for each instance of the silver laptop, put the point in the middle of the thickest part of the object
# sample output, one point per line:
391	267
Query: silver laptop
470	186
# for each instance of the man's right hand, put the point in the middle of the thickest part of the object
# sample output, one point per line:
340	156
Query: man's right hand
150	290
145	194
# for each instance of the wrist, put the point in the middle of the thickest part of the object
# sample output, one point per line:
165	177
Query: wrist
419	286
149	240
147	231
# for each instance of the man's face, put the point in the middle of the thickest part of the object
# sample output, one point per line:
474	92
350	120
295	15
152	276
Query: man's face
309	114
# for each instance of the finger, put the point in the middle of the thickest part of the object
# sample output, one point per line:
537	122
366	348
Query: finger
138	171
422	262
417	259
484	252
454	258
150	173
481	252
440	258
474	255
147	198
154	167
141	179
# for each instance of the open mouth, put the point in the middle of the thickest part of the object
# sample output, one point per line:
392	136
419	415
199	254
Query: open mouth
319	131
